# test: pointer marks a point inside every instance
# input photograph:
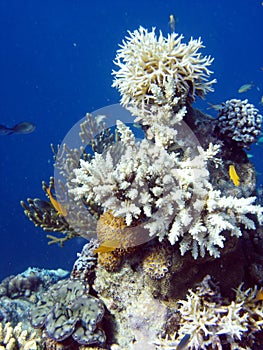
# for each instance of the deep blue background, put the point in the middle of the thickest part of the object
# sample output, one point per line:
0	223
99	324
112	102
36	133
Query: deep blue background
55	65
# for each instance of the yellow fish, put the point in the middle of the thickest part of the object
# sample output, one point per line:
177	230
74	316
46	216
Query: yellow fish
259	295
233	175
107	246
245	88
61	210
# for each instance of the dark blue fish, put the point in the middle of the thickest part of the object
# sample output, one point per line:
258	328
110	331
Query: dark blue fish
20	128
23	128
183	343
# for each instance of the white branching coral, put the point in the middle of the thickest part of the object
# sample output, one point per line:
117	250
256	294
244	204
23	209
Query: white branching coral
211	322
220	214
167	193
160	71
164	191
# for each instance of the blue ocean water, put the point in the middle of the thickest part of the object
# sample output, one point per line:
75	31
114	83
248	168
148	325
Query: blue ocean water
55	65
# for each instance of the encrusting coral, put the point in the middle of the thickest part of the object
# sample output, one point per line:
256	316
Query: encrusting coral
12	338
157	261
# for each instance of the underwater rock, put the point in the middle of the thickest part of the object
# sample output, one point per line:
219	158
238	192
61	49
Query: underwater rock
131	305
84	266
20	291
30	281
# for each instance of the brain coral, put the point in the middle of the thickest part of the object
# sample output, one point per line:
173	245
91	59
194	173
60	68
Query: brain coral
162	71
67	309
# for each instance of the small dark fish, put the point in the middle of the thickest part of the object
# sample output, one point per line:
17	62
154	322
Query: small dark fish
20	128
183	343
24	128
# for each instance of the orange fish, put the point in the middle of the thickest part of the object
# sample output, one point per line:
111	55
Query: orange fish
107	246
259	295
61	210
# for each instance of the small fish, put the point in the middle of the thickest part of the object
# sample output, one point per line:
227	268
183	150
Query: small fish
216	107
249	155
233	175
172	23
20	128
260	140
24	128
261	101
107	246
245	87
259	296
61	210
183	343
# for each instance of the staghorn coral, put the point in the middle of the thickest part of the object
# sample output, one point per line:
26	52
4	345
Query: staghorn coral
160	71
239	121
66	310
213	322
12	338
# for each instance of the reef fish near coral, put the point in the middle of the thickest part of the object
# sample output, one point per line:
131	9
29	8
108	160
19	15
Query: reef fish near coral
61	210
233	175
245	88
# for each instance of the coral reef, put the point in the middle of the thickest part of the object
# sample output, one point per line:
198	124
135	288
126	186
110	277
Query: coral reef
66	310
239	121
12	338
161	211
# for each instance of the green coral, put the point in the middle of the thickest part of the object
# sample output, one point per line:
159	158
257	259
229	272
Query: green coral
67	309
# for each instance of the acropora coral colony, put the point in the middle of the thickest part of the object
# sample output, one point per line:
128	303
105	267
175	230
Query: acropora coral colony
175	212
